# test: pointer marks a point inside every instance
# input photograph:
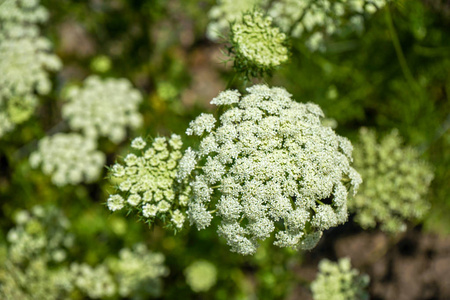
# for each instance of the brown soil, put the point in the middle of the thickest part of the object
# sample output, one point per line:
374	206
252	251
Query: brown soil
413	265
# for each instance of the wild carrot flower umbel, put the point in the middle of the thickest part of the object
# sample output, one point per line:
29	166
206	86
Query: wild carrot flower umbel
69	158
267	165
25	60
103	108
395	182
146	182
337	280
258	46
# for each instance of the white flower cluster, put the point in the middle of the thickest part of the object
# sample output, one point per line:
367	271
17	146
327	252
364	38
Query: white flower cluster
138	272
96	282
395	186
146	181
25	59
103	108
317	20
36	250
201	275
275	169
39	232
313	19
69	158
338	281
258	46
226	12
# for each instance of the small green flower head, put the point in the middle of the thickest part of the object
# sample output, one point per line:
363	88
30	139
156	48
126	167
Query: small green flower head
395	182
226	12
69	158
201	275
103	108
338	281
267	165
146	182
258	46
138	272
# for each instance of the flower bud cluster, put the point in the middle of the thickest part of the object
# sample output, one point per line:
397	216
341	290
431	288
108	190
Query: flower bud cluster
395	183
25	58
146	182
103	108
226	12
258	46
337	280
268	166
69	158
201	275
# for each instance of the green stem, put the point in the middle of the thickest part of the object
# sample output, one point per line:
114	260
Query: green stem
398	50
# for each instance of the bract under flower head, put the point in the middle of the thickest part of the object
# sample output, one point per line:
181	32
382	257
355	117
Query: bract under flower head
276	168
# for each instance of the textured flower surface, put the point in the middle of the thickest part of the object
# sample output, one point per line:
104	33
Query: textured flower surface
138	272
146	182
201	275
25	60
337	280
268	166
69	158
258	46
395	182
103	108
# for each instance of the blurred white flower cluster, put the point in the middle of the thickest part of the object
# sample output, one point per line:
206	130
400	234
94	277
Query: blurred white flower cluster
395	185
138	272
69	158
37	264
315	20
338	281
146	181
201	275
96	282
25	60
258	46
103	108
268	166
38	246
